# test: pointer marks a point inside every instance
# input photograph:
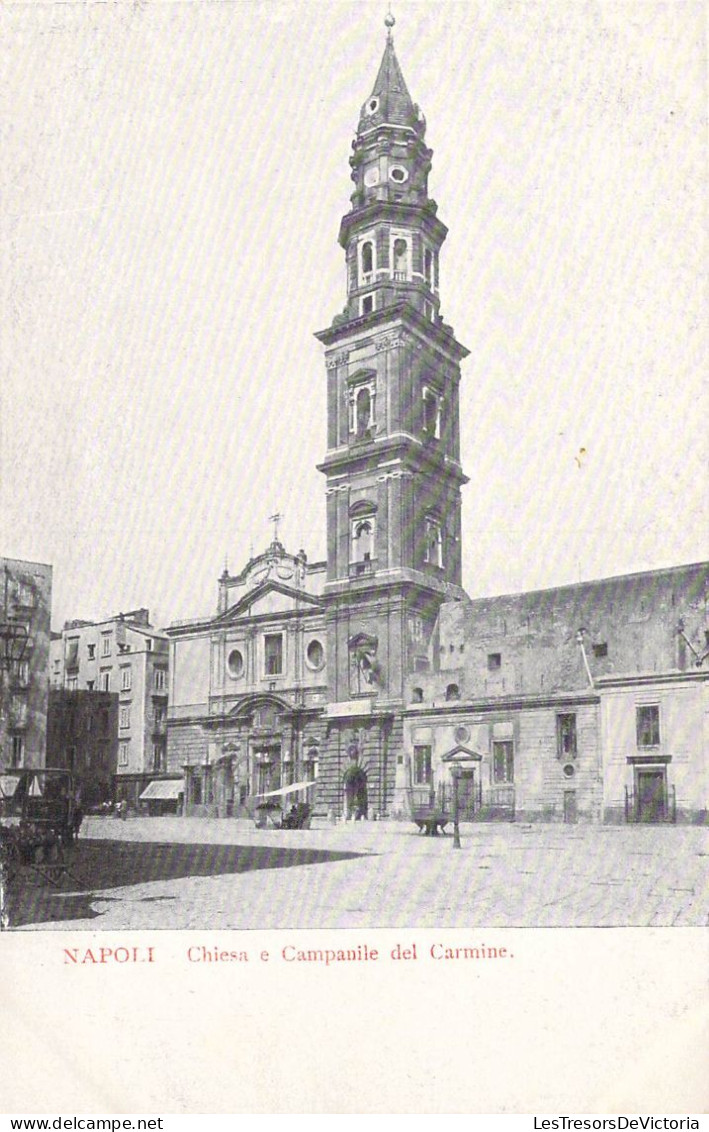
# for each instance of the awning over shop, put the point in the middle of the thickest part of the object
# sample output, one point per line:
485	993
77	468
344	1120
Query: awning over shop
165	789
292	789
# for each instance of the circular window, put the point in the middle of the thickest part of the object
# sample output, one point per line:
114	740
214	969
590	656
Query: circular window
235	663
399	174
315	654
372	105
462	734
569	770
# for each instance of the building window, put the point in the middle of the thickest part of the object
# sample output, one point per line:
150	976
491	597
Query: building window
452	692
315	655
105	681
273	653
160	679
431	413
158	757
126	679
149	645
422	766
105	644
366	261
434	543
601	650
123	754
648	725
503	767
363	411
428	267
235	663
18	711
400	257
417	696
90	685
91	649
124	717
566	736
363	533
494	661
399	174
72	683
18	750
366	304
362	400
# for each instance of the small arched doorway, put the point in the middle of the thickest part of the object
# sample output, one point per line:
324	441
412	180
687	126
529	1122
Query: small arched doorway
356	797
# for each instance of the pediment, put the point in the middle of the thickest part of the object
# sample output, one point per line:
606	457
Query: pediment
362	641
269	599
461	754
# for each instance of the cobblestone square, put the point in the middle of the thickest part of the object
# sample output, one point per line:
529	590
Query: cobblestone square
153	873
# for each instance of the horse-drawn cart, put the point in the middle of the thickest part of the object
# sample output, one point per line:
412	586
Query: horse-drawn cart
39	821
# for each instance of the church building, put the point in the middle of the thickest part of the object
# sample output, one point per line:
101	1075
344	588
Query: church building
362	682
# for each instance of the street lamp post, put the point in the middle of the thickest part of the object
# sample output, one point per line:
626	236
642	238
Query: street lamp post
455	774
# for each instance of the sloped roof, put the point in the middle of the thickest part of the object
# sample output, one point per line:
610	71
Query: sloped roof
395	104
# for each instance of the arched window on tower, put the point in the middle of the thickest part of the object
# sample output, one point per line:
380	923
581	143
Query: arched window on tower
401	259
361	398
431	413
362	550
428	267
434	543
367	261
363	411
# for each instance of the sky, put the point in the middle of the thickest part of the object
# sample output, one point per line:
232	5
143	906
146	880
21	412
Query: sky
173	179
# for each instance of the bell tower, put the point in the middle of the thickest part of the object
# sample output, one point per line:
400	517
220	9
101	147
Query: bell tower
392	467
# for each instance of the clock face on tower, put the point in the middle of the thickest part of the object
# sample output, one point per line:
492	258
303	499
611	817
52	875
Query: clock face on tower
371	176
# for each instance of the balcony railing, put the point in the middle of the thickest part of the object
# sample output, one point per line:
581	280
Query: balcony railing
362	569
659	808
493	803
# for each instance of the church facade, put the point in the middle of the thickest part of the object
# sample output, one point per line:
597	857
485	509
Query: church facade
365	680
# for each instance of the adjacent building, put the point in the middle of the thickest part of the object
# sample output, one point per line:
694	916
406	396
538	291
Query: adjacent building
588	701
82	736
26	594
124	655
374	673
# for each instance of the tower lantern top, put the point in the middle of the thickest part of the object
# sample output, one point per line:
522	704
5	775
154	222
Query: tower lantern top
389	103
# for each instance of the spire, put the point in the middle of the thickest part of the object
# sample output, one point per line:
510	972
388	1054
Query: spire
390	100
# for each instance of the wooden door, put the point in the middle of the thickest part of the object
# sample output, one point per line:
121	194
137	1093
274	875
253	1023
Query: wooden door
651	795
466	795
570	809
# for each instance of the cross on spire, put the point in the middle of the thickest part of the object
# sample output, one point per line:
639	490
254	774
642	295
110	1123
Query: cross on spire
275	519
